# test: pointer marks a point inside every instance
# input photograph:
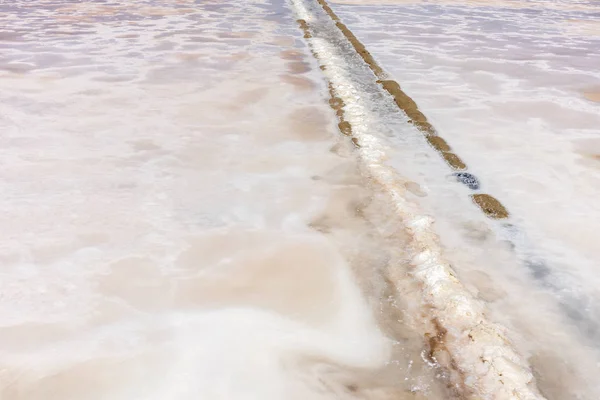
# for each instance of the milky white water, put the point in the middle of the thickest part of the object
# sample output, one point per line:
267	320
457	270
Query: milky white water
181	218
513	87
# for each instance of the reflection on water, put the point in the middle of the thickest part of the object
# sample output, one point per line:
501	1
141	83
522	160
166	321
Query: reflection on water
512	86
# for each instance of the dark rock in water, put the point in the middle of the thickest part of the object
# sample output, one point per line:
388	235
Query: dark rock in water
468	179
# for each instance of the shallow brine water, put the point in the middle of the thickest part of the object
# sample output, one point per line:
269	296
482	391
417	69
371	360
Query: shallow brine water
179	213
513	87
181	218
